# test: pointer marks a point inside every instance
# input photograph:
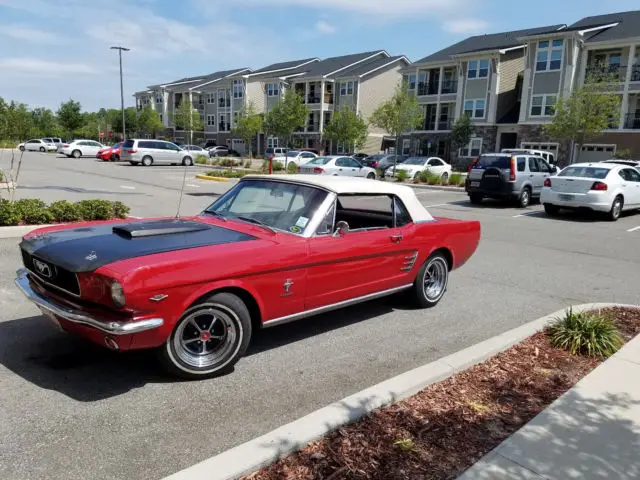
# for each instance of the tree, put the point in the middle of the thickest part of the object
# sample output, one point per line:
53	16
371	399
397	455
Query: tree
461	131
130	118
348	128
20	121
44	123
248	125
149	121
187	118
586	113
286	117
399	115
70	116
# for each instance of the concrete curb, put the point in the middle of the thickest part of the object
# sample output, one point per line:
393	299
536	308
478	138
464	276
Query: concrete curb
202	176
289	438
19	231
438	187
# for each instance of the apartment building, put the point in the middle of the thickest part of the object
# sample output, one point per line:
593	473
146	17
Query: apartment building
557	63
479	76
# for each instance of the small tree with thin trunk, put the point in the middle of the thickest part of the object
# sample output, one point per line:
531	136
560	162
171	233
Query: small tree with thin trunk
248	125
461	131
586	113
400	115
149	121
187	118
286	117
347	127
70	116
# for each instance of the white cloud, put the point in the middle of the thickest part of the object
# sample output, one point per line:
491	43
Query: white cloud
325	28
35	67
467	26
396	8
23	33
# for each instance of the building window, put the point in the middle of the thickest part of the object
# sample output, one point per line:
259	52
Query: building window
409	81
222	98
158	98
406	146
273	89
346	88
474	108
340	148
473	149
549	55
202	117
543	105
478	69
272	142
223	123
161	118
211	98
211	120
238	89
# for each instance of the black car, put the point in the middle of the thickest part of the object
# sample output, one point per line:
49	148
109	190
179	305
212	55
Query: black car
223	152
385	161
360	156
208	144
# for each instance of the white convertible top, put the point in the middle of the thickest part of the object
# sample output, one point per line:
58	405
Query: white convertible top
357	186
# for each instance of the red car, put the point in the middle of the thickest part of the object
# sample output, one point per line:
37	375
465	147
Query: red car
271	250
110	153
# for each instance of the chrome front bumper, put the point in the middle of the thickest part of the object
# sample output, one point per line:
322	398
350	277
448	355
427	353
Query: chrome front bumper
76	316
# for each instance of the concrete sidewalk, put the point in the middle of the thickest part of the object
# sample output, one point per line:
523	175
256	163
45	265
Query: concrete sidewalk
591	432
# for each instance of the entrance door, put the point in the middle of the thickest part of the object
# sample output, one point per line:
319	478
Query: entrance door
508	140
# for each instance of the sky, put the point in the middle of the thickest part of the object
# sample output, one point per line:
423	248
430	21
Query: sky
53	50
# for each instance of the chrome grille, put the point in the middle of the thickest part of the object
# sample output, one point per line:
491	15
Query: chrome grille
51	274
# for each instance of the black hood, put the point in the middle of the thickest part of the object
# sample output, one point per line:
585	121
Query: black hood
85	249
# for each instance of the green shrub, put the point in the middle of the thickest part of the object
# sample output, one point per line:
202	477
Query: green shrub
401	175
215	161
33	211
9	215
278	166
232	173
585	333
292	168
120	210
433	179
424	176
64	211
456	179
230	162
95	209
202	160
1	177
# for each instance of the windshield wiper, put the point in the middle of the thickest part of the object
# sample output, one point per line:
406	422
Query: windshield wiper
214	213
257	222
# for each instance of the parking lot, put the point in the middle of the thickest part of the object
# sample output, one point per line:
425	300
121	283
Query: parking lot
70	410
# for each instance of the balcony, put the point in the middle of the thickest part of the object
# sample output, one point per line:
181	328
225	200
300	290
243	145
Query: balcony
313	99
313	127
601	73
635	73
222	103
632	121
427	88
449	86
328	98
445	124
428	125
224	127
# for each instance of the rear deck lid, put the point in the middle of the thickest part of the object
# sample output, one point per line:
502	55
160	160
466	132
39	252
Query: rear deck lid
578	179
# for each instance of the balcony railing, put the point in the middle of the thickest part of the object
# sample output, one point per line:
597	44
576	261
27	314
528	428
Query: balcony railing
449	86
445	124
328	98
428	88
612	72
224	103
313	127
313	99
632	121
429	125
635	73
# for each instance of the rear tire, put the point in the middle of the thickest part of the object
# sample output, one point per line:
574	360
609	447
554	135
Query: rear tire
551	210
431	282
147	161
445	178
76	154
187	161
476	198
42	149
22	148
525	198
210	337
616	209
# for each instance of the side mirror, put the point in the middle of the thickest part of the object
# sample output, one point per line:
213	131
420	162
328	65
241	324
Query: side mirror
342	227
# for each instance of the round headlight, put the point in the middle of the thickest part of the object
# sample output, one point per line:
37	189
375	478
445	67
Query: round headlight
117	294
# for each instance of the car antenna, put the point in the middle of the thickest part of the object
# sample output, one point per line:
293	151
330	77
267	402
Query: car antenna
184	179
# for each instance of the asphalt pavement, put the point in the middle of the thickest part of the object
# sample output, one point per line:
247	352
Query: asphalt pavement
70	410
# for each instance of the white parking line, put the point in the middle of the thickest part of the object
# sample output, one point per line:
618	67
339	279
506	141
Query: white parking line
633	229
127	187
526	214
437	205
192	185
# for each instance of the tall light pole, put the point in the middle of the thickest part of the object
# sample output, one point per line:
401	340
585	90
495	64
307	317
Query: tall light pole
120	50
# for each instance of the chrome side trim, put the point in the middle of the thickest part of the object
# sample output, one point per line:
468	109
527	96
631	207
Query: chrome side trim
333	306
409	262
77	316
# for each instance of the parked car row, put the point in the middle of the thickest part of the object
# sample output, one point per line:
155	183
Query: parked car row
608	187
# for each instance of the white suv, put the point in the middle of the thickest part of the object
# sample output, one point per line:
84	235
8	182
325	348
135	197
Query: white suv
548	157
154	152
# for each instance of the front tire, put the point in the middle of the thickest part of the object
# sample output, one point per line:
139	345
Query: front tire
187	161
431	282
22	148
616	209
147	161
445	178
209	338
76	154
42	149
371	176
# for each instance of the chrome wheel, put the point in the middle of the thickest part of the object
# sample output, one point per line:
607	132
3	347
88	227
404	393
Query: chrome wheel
208	337
436	275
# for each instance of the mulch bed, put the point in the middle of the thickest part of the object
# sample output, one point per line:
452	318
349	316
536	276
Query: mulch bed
443	430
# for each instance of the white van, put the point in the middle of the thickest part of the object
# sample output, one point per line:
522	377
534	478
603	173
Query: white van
549	157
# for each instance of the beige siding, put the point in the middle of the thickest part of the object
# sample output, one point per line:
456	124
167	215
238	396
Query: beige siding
256	95
511	66
377	89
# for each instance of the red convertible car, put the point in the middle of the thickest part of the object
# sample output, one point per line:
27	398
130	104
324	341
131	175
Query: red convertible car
271	250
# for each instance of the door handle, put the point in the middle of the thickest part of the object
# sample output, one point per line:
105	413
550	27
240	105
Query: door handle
396	238
531	175
340	169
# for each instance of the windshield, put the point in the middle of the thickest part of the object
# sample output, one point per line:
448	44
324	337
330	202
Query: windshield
279	205
586	172
415	161
319	161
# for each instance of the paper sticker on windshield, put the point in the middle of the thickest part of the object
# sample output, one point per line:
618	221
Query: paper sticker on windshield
302	222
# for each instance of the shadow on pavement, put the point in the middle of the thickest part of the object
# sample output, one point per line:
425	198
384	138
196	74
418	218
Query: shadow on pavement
37	351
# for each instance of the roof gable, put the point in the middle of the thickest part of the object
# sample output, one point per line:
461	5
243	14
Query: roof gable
332	65
624	25
371	66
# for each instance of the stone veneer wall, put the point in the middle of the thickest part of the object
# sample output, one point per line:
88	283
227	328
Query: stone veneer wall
535	133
